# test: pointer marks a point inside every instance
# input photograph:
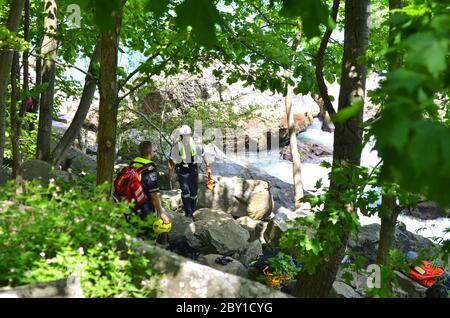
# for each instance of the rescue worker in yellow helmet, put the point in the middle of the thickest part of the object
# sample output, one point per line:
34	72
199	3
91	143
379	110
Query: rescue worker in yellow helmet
150	183
185	157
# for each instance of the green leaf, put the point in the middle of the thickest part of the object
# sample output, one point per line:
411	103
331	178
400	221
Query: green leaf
347	277
404	79
428	51
202	16
399	133
425	147
312	12
158	7
348	112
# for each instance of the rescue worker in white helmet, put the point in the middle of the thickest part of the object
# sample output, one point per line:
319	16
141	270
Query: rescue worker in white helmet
185	157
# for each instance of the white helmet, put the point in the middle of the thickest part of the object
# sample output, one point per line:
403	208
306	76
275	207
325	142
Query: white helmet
185	130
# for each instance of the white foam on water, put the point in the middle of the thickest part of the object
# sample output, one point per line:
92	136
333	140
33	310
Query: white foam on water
312	172
426	228
315	134
59	124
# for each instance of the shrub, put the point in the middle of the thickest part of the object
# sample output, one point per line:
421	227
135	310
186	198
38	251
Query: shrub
49	232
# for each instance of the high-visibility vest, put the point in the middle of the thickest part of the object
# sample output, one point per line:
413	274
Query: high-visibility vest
182	150
140	162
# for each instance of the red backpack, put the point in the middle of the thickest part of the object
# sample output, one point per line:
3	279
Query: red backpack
128	186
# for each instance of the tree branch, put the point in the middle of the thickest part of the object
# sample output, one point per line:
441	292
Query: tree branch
323	89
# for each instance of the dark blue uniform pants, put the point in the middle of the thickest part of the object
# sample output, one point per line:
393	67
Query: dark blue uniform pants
188	178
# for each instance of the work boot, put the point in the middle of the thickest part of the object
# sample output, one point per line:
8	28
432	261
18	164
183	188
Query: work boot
163	240
193	204
187	206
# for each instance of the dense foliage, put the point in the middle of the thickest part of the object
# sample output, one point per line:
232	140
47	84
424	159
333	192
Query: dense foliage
50	232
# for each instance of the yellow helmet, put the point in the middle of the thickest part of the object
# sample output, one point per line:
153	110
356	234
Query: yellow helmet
160	227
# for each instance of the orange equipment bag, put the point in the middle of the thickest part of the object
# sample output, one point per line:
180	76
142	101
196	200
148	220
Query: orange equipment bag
209	182
426	274
272	281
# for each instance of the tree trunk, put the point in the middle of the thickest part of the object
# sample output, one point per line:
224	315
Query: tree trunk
396	60
83	108
347	145
106	137
6	57
37	99
389	213
296	162
323	116
25	56
15	127
389	209
49	46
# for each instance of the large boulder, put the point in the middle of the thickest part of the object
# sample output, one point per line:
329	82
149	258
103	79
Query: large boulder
180	224
407	288
280	223
358	279
342	290
251	253
64	288
5	175
412	289
206	214
255	228
217	236
309	152
427	211
238	197
64	175
234	267
365	243
282	192
182	278
172	198
77	161
36	170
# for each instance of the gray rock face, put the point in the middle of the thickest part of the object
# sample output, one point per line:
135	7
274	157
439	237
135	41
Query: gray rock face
64	175
407	287
412	289
5	175
280	223
206	214
173	198
78	161
234	267
180	224
309	152
251	253
36	170
366	242
83	162
282	192
183	278
427	211
255	228
358	282
238	197
64	288
342	290
217	236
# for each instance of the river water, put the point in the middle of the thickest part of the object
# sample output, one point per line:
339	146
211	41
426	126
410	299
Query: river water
312	172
